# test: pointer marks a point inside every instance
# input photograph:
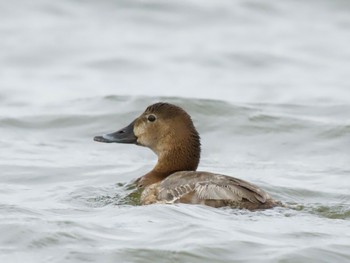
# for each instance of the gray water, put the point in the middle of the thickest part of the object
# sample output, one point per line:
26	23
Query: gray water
266	82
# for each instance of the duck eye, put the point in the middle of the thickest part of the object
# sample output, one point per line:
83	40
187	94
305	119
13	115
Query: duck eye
151	118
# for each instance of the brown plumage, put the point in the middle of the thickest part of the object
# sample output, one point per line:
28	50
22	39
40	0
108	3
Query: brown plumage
169	131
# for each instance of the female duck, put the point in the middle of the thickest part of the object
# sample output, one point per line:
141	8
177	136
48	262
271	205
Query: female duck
169	131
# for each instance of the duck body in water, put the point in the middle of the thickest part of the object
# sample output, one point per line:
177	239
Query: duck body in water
169	131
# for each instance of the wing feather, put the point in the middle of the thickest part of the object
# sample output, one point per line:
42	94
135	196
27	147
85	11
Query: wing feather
209	186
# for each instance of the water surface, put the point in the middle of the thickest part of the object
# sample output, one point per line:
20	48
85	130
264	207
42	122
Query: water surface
268	89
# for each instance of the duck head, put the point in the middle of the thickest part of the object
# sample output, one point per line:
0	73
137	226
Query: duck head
168	131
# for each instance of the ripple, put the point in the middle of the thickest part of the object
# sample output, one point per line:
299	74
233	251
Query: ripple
337	211
64	192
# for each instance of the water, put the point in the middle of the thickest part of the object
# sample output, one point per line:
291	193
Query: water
265	82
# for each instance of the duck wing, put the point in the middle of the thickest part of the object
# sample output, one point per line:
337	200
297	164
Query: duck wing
201	186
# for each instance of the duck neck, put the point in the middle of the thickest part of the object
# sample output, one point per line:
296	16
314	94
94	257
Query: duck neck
183	157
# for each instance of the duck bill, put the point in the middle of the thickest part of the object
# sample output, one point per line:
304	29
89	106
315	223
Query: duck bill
125	135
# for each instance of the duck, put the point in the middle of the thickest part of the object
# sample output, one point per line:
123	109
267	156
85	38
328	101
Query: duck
168	130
